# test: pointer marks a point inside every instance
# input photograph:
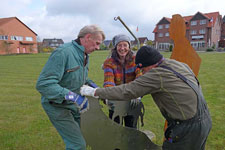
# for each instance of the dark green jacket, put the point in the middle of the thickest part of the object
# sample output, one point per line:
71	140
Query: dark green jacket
63	72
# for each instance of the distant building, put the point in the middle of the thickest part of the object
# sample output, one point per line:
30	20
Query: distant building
52	43
142	40
16	37
202	30
222	39
107	43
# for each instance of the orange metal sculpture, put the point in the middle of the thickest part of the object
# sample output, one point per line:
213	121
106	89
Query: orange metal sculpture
182	51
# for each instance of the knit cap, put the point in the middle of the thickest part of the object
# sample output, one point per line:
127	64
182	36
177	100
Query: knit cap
119	38
147	56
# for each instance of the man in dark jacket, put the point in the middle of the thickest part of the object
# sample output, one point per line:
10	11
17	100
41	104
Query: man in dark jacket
59	84
177	93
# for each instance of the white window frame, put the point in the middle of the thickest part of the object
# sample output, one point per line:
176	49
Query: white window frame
160	27
28	38
202	22
202	31
193	23
167	26
163	46
160	35
3	37
193	32
198	44
16	38
167	34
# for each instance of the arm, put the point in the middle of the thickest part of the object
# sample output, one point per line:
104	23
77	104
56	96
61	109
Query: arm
145	84
50	76
108	74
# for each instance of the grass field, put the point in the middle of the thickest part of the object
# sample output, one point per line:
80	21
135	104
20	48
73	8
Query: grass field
25	126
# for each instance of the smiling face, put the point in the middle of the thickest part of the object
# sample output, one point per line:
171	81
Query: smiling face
123	49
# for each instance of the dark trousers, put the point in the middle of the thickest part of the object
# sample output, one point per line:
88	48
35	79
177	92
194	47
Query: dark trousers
190	135
128	120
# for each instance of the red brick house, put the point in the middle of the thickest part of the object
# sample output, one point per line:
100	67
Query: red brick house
222	39
202	30
16	37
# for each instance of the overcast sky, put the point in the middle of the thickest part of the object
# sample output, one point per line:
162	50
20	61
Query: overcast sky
64	18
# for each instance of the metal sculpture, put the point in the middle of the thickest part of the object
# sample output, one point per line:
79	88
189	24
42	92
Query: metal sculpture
182	51
101	133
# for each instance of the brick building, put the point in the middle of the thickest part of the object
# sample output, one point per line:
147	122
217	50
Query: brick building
16	37
202	30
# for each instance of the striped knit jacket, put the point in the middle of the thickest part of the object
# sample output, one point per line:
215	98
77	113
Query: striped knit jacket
116	74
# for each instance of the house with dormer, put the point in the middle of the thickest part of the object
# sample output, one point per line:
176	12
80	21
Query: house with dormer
202	30
16	37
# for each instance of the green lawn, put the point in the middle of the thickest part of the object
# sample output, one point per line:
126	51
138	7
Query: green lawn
25	126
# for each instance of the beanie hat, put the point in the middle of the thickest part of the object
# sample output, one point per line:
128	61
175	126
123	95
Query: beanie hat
147	56
119	38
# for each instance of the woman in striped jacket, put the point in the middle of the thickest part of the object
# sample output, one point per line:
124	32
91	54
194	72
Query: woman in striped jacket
120	68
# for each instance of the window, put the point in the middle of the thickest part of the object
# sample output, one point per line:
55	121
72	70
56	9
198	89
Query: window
54	40
167	26
3	37
160	34
202	31
193	23
193	32
198	44
160	26
167	34
202	22
29	39
17	38
164	46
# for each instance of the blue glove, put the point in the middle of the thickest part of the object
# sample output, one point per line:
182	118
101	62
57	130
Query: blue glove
85	107
76	98
92	84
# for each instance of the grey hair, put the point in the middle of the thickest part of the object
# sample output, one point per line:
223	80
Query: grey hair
91	29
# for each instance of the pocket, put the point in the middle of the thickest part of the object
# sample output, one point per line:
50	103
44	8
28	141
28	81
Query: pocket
72	78
178	132
73	69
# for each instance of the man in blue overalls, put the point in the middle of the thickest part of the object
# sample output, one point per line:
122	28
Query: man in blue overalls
177	93
59	83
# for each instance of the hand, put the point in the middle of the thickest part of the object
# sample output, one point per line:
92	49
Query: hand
85	107
76	98
134	102
86	90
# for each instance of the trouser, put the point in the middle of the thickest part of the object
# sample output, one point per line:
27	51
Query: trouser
128	120
66	119
188	135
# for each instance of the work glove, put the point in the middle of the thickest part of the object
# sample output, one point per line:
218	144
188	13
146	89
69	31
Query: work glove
85	107
135	102
76	98
86	90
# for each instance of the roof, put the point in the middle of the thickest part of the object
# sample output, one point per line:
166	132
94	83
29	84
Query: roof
141	40
6	20
212	16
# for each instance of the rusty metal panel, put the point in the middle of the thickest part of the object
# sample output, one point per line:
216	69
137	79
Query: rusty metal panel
183	51
101	133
